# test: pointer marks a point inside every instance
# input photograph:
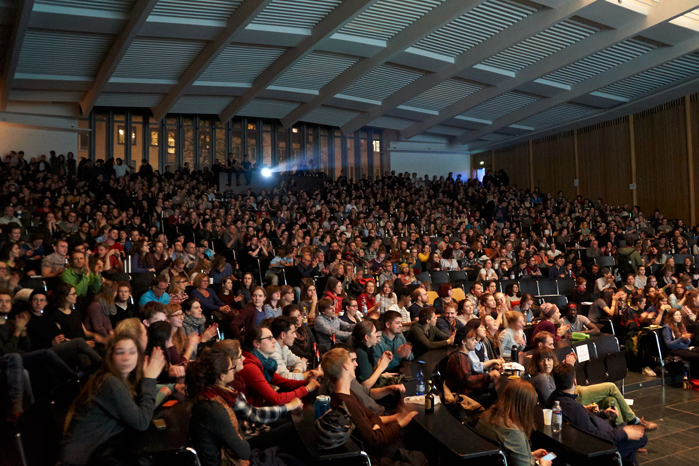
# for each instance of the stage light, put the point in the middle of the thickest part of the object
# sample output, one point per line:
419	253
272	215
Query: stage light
266	172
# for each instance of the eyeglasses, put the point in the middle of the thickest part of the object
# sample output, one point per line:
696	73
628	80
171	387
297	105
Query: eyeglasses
267	338
181	281
178	314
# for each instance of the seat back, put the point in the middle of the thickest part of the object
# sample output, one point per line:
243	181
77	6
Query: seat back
605	261
566	286
458	294
504	284
37	437
547	286
616	366
606	344
439	277
529	285
431	296
423	277
559	300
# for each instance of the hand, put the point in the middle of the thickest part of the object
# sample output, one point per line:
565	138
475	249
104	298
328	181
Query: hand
21	321
563	329
238	298
153	365
193	340
314	299
180	388
450	340
313	385
612	412
165	390
592	408
571	358
634	432
176	371
225	308
295	404
91	343
405	418
210	332
58	339
404	350
398	388
494	375
540	453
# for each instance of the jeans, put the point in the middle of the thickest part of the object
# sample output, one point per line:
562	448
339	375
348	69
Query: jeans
18	388
77	353
602	394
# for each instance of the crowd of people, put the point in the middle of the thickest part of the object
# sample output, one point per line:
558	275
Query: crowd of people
151	286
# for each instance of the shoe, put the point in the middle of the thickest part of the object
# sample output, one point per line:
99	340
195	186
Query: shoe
649	372
642	451
648	425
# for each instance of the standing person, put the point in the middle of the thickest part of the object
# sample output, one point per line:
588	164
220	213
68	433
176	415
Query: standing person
510	422
121	394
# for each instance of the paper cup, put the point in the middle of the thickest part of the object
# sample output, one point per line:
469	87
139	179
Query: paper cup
547	416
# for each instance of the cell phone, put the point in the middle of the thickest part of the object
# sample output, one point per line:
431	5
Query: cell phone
159	424
550	457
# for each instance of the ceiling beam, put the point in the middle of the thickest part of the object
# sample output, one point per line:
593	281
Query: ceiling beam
435	19
659	14
137	17
650	60
236	24
336	20
499	42
14	48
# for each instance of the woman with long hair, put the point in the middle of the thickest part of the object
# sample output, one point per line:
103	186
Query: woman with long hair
525	307
227	296
210	304
195	322
142	261
369	299
540	367
69	319
386	297
184	346
305	340
121	394
178	285
101	310
271	307
445	292
244	288
365	337
510	421
679	341
309	300
461	378
464	311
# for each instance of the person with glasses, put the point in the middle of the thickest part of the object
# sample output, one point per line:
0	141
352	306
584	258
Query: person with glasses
259	372
177	293
158	292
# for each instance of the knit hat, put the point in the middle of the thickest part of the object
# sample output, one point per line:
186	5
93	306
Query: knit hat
547	310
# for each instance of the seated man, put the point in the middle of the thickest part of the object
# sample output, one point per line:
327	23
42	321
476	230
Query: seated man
402	301
289	365
447	322
393	340
424	334
380	434
157	292
580	324
627	439
328	324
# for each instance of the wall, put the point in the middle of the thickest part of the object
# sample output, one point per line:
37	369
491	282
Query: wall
429	156
650	159
35	142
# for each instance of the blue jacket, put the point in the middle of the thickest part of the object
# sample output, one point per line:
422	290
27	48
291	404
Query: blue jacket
390	345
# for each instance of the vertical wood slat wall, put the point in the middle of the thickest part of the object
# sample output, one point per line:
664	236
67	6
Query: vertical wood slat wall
661	147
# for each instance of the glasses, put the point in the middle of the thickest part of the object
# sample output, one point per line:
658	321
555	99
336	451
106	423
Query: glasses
181	281
232	368
178	314
266	338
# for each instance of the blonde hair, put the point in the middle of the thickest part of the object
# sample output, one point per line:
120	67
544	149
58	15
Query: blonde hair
333	361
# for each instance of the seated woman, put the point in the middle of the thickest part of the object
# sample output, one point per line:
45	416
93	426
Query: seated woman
184	345
386	297
483	357
272	307
305	342
351	311
465	311
487	272
214	428
445	293
368	300
259	372
309	301
513	335
550	316
121	394
208	299
593	397
177	292
678	340
244	287
334	291
195	322
228	297
365	337
460	377
69	319
510	421
525	307
100	310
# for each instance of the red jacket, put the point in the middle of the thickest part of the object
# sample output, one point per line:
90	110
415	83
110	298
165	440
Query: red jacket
251	382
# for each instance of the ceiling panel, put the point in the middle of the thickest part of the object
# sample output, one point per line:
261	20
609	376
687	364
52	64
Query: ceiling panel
386	18
295	13
314	71
330	116
443	94
158	58
215	10
240	64
558	114
500	106
212	105
392	123
381	82
128	100
118	6
261	108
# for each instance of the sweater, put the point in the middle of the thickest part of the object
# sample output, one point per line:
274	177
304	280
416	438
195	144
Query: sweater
251	382
210	429
425	340
97	321
244	321
460	377
513	440
386	344
81	282
209	303
111	410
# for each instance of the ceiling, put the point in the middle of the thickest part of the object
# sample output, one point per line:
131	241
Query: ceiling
484	73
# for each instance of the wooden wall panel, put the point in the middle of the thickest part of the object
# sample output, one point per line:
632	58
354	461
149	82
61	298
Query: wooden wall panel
515	161
661	160
605	163
554	164
694	119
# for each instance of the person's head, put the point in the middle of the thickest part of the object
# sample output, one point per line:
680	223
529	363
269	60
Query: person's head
259	339
365	334
571	311
543	339
273	293
37	301
476	289
152	312
123	292
192	308
581	284
213	368
419	296
465	307
445	290
449	312
287	294
549	311
487	300
337	363
159	286
564	377
673	317
543	361
334	286
175	315
392	323
514	408
427	316
233	350
284	330
258	295
370	287
465	339
326	307
136	329
515	320
158	335
66	297
308	289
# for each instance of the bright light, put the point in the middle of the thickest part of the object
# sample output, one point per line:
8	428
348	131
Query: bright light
266	172
482	162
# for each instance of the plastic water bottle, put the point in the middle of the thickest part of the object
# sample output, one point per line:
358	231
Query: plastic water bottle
556	418
365	311
420	383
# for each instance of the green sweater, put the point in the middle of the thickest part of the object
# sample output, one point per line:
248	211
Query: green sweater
81	282
424	341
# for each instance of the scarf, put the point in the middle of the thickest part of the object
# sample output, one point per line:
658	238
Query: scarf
193	325
269	365
226	397
301	339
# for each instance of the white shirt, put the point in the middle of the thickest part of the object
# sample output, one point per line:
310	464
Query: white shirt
286	359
